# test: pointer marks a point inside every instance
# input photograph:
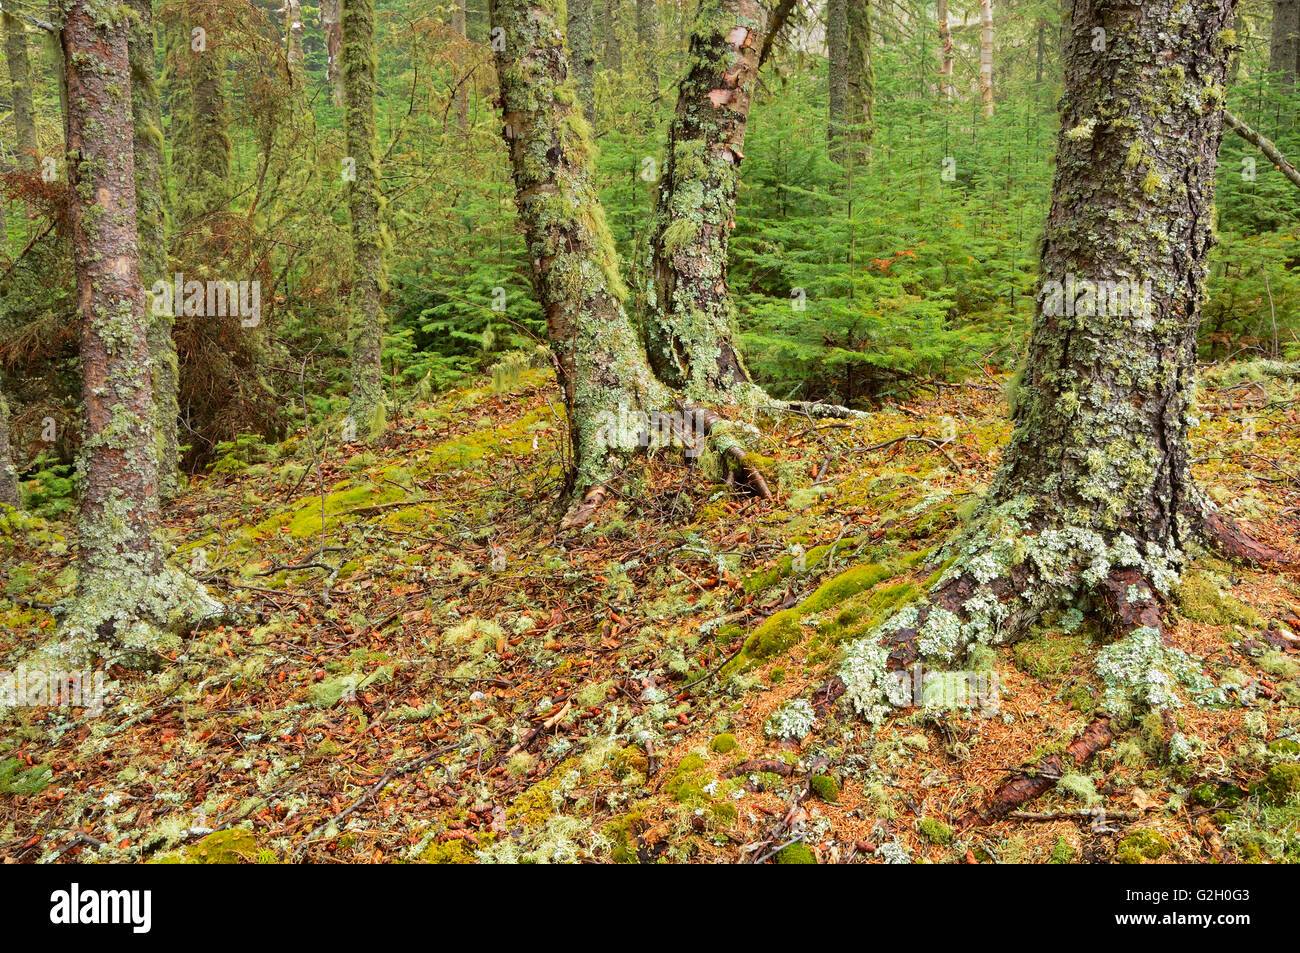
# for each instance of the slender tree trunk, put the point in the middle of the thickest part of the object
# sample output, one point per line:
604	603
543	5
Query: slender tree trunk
331	22
20	80
151	220
986	57
601	364
837	74
861	76
1284	40
690	322
647	31
462	89
580	32
945	53
366	317
8	474
292	11
201	120
125	592
613	40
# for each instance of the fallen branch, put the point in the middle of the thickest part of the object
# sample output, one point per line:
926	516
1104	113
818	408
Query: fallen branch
1274	154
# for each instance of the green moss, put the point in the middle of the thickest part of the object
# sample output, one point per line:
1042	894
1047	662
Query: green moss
1141	846
1201	601
934	830
795	854
825	787
723	743
455	851
776	635
846	584
1280	785
1050	655
233	846
1062	852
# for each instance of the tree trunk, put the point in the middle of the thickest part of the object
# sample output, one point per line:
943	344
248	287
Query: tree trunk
613	39
462	84
689	321
1095	497
201	151
1284	41
580	32
151	222
647	31
20	79
331	23
601	366
125	592
861	76
366	317
986	57
945	53
292	11
837	74
8	474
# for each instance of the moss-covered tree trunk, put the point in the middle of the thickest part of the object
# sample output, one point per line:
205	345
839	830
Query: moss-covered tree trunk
1095	503
689	321
8	473
201	146
612	26
601	364
20	84
293	38
647	30
366	315
331	22
125	592
837	73
151	223
861	78
580	34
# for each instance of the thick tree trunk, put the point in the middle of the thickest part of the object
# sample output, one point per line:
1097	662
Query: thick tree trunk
331	23
689	321
580	32
366	317
986	57
602	367
125	591
837	74
1284	40
945	53
1095	497
861	76
151	221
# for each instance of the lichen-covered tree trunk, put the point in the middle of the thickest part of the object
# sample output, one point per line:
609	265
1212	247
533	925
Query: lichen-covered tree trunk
1095	502
151	224
837	74
612	24
602	367
201	122
293	38
331	22
689	320
1284	40
20	83
647	30
580	29
126	594
8	473
366	316
861	77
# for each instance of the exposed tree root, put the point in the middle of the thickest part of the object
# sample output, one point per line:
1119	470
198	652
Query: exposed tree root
730	445
1232	541
581	513
1024	787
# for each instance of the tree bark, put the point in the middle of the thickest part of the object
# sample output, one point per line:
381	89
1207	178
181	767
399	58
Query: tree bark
945	53
202	149
462	87
689	322
580	32
837	74
125	592
647	31
1284	40
331	22
861	76
8	474
20	79
292	11
612	22
1281	162
151	222
601	366
986	57
366	317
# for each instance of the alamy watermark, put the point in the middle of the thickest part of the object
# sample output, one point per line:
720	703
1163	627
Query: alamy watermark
659	428
923	688
1085	297
210	299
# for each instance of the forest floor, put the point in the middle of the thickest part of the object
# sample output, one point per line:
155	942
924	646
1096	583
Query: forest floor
423	667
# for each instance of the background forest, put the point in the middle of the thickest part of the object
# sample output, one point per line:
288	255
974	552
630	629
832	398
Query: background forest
855	279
